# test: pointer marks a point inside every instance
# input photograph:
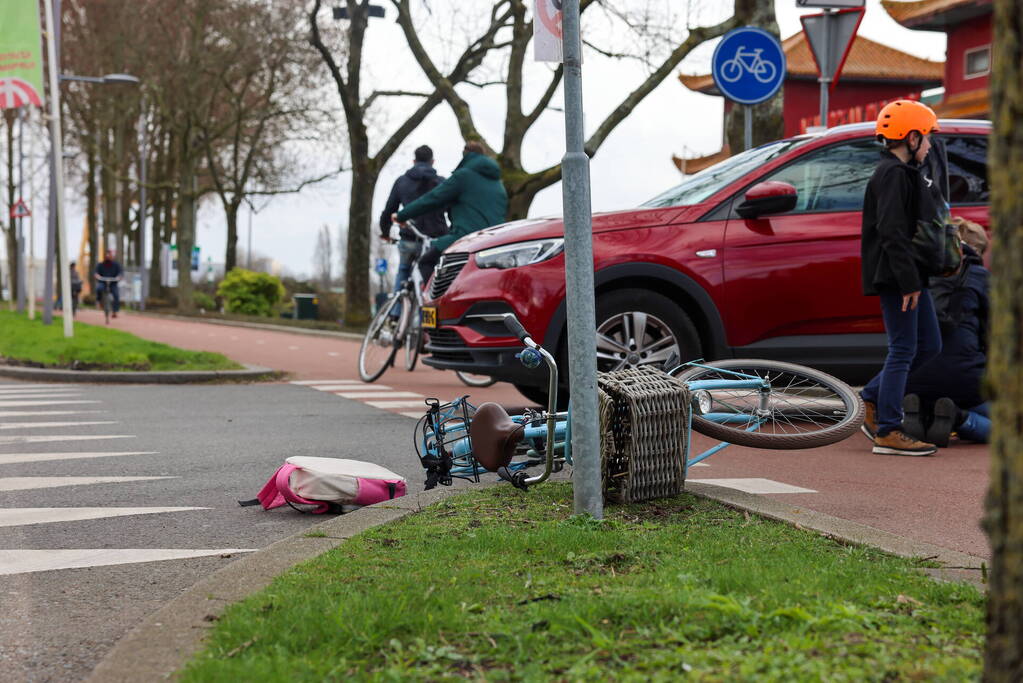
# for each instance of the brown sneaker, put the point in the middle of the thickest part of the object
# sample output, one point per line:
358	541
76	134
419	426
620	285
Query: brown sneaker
869	426
899	443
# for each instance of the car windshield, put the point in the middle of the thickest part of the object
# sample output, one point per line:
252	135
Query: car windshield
698	187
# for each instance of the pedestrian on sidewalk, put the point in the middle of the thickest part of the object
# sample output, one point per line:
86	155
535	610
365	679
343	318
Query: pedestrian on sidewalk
945	394
897	198
475	198
412	185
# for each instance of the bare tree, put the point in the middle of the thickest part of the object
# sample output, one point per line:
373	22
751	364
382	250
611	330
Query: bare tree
345	67
1004	520
323	259
652	42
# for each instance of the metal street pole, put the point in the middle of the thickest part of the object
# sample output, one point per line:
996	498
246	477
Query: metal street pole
747	133
21	220
825	81
248	261
52	39
143	155
582	326
58	167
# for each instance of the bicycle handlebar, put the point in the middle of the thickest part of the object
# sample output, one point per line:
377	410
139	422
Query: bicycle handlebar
102	278
515	327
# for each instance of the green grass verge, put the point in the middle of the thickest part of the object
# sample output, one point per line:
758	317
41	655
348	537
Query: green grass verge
30	342
501	585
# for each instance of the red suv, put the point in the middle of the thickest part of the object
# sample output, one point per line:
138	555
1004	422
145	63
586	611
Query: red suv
758	256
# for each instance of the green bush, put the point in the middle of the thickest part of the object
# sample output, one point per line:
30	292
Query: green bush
204	301
250	293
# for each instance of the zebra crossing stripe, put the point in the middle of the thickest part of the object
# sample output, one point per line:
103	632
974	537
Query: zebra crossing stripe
27	516
25	404
27	561
755	485
5	388
395	404
6	440
414	416
15	458
371	394
352	387
310	382
31	425
31	483
34	413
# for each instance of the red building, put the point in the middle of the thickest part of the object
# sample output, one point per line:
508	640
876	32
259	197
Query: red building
968	25
873	75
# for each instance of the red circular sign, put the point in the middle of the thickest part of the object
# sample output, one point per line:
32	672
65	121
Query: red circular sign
550	14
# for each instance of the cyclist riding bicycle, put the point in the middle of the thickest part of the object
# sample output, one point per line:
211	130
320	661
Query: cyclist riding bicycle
108	268
411	185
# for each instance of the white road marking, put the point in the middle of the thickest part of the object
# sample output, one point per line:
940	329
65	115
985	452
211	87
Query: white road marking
415	415
292	348
313	382
360	386
25	404
394	404
372	394
333	353
22	387
30	483
26	516
14	458
30	425
41	394
754	485
34	413
5	440
25	561
260	341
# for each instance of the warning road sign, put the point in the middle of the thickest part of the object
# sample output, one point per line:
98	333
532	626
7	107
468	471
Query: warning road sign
20	209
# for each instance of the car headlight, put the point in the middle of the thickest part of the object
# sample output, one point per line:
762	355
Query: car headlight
519	254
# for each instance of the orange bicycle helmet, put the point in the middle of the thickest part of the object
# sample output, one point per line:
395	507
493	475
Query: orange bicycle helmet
898	118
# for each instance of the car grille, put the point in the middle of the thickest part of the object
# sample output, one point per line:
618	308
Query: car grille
447	270
447	345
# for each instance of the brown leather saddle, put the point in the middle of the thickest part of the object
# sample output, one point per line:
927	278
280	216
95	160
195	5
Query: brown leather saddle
494	436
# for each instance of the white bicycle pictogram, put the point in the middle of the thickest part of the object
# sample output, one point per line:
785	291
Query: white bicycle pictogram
751	61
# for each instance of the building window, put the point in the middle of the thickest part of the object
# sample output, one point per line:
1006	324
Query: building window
978	61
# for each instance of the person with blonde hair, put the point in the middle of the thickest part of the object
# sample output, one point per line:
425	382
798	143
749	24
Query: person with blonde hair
945	395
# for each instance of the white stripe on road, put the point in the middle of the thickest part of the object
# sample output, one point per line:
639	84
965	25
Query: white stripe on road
26	516
30	483
333	353
355	386
6	440
34	413
4	388
311	382
394	404
40	394
14	458
30	425
374	394
415	416
754	485
25	561
25	404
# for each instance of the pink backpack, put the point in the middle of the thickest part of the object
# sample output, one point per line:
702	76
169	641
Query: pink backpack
328	484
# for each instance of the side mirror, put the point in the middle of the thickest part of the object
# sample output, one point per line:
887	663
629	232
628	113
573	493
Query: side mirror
766	198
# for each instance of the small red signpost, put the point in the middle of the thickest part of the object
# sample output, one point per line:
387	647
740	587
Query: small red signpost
20	209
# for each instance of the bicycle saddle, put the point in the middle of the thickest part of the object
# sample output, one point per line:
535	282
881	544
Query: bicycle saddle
494	436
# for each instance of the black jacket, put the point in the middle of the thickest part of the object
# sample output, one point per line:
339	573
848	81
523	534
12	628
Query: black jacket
414	183
897	197
963	312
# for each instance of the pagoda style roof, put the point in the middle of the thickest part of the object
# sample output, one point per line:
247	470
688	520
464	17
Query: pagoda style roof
867	61
935	15
697	164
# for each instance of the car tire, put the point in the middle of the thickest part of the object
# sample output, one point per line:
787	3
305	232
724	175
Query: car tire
663	317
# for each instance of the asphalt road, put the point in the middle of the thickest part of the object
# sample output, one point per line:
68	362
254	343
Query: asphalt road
205	447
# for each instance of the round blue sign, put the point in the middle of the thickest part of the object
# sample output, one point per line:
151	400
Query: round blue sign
381	265
748	65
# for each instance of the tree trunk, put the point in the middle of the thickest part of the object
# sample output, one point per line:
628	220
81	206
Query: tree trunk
186	233
1004	519
231	213
357	308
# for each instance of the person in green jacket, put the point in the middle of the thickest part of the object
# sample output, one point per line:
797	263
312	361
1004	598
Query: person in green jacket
473	196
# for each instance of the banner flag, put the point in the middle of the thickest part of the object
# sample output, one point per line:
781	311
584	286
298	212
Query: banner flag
547	42
21	60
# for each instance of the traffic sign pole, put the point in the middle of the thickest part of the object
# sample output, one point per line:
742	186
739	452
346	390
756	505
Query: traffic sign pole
747	133
826	69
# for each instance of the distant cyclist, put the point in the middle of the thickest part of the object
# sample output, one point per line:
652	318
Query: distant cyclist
411	185
109	268
474	196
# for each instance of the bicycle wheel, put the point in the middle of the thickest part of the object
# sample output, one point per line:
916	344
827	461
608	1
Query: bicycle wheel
380	344
732	70
804	408
106	307
413	337
470	380
765	72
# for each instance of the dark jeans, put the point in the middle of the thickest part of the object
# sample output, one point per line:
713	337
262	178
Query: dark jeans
977	426
913	338
101	287
429	262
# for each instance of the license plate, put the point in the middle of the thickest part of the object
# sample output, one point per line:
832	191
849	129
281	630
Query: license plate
429	316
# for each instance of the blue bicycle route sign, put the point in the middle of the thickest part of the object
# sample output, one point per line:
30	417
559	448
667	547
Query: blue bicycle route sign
748	65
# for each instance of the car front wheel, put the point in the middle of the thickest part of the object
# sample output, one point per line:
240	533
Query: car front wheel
638	327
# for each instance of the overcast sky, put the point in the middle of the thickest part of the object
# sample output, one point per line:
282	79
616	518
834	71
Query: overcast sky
633	165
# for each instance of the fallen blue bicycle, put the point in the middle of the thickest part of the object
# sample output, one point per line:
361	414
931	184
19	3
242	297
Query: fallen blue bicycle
754	403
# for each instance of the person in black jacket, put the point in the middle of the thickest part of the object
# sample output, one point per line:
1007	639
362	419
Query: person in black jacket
109	268
945	393
411	185
898	196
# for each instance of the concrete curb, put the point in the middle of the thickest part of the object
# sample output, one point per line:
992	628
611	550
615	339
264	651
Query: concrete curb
258	326
957	566
250	373
169	637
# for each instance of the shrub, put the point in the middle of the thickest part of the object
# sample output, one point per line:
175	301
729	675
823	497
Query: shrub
204	301
250	293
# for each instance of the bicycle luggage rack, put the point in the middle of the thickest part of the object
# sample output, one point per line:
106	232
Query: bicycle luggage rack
644	428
